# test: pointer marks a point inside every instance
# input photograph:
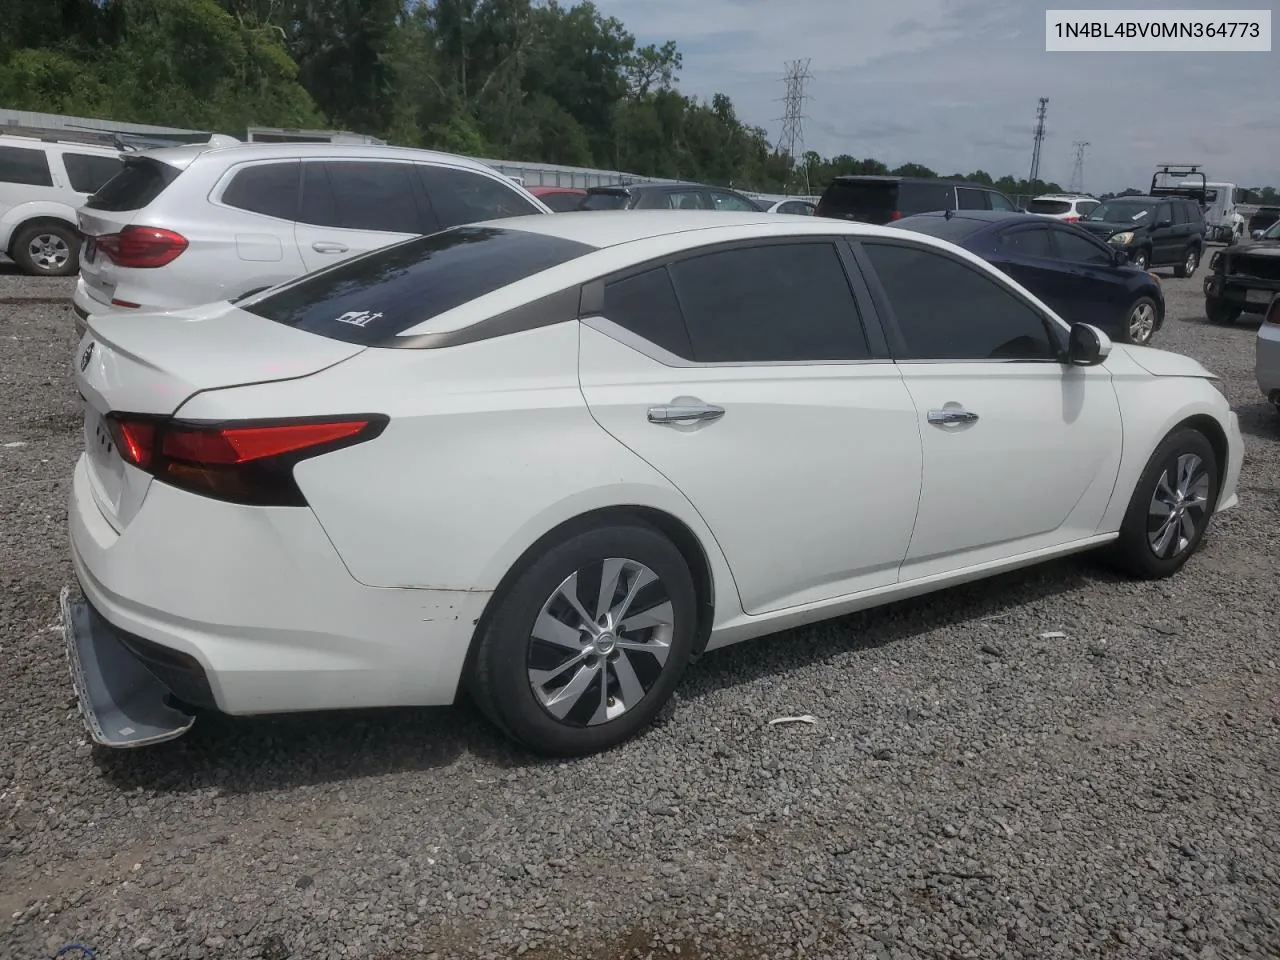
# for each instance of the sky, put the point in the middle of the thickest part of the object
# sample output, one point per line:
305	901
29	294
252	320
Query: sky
954	84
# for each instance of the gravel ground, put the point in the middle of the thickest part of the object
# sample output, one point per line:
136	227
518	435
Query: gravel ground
1057	763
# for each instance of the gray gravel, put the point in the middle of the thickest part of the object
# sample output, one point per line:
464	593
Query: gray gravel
971	788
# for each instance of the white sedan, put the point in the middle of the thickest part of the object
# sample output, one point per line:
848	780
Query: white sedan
549	460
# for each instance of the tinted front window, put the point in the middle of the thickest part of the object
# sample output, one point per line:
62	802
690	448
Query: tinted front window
922	197
604	200
1078	249
999	201
1027	243
686	200
646	305
1049	206
1179	213
947	310
25	166
1124	211
372	298
562	202
727	201
769	303
86	172
271	189
1086	207
459	196
797	208
967	199
140	182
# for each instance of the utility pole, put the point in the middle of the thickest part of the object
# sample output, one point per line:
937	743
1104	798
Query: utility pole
1035	151
791	142
1077	170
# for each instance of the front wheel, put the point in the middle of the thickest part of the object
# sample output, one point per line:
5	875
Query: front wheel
1188	265
1170	508
1141	259
1141	322
587	644
1221	312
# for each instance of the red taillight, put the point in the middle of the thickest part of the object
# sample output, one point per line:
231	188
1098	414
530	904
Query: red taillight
1073	219
247	462
896	215
141	247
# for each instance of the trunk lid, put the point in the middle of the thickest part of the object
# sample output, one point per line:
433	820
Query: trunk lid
153	363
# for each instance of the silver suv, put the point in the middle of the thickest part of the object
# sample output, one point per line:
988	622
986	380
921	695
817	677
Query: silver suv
183	226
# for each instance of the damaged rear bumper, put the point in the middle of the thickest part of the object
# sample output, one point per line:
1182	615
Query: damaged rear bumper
122	701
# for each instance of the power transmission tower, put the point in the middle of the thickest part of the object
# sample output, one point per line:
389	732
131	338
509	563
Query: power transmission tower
1077	170
1035	151
791	142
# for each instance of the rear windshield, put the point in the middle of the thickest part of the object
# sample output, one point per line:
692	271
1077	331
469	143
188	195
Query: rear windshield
562	202
141	181
372	298
875	201
1049	206
604	201
1124	211
951	229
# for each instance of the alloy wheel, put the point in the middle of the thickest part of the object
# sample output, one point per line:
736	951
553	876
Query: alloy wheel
1178	506
1142	323
1193	261
600	642
49	251
1140	261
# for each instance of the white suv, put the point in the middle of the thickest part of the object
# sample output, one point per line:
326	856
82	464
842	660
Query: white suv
42	182
1063	206
183	226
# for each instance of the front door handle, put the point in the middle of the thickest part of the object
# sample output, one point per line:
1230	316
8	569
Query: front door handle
685	410
951	415
328	246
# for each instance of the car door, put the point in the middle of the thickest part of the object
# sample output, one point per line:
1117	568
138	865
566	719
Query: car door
1020	450
354	206
1098	288
746	376
27	176
1166	247
1025	252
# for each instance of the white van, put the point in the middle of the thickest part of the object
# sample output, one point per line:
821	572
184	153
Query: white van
42	182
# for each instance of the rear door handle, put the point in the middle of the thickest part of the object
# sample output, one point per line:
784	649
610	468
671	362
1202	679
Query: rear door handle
328	246
951	415
685	410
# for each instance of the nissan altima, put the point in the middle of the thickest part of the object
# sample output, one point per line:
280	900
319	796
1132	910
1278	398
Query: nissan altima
549	461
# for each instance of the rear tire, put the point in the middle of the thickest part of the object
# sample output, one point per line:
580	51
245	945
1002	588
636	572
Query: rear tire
47	250
1171	507
1221	312
565	685
1188	265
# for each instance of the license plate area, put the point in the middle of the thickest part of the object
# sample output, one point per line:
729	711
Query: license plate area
1259	296
105	463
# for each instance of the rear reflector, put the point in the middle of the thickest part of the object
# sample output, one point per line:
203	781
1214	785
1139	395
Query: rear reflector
125	303
896	215
249	462
141	247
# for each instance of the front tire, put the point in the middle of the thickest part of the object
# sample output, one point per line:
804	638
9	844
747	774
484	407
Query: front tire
1171	507
1140	324
47	250
1221	312
586	645
1141	259
1188	265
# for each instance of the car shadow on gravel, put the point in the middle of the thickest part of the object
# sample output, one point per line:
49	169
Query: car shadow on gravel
1260	419
255	754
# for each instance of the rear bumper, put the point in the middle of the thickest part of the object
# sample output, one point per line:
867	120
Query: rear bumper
252	611
1251	294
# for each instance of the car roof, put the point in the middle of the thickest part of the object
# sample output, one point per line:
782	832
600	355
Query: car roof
1064	196
183	156
983	216
889	178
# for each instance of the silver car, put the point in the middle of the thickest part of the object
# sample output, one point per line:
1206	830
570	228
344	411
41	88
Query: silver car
1267	363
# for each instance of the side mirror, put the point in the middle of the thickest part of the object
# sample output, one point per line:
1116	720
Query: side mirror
1162	223
1119	257
1087	346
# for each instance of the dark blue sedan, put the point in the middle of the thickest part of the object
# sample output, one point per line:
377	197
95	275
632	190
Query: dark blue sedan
1082	279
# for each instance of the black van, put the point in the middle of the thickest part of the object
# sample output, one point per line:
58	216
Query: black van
880	200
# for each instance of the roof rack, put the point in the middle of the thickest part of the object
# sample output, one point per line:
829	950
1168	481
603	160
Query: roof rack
1177	172
92	136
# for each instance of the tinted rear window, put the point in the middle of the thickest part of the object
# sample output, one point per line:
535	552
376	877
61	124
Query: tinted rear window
951	229
873	200
25	166
372	298
140	182
1049	206
562	202
604	201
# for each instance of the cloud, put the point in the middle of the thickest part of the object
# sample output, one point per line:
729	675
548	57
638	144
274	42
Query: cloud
953	84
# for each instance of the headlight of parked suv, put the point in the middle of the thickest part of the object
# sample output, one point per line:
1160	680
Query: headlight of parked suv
1213	261
1122	238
